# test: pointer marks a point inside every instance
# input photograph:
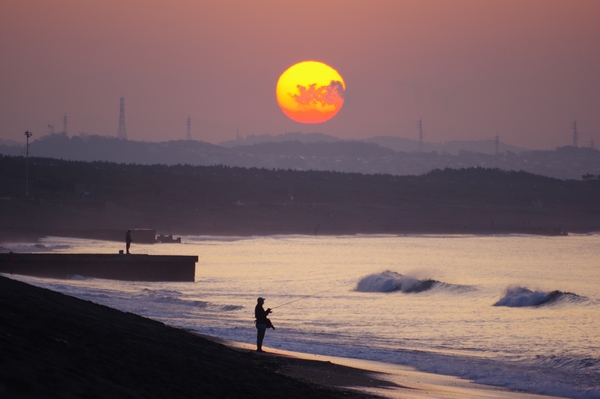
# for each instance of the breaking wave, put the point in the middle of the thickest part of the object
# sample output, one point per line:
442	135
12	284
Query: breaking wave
78	277
517	297
172	297
389	281
160	293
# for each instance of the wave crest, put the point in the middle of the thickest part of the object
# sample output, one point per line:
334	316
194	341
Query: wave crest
389	281
517	297
172	297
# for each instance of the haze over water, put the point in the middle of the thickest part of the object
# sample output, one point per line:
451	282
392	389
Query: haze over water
520	312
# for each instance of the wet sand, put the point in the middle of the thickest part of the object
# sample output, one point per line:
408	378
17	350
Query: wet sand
56	346
379	378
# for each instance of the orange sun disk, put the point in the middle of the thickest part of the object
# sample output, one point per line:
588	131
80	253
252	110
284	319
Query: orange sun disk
310	92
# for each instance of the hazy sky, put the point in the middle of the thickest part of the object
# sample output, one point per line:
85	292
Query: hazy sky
471	69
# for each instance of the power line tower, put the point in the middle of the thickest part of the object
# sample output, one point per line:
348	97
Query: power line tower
188	133
575	134
50	129
122	134
65	124
497	145
420	135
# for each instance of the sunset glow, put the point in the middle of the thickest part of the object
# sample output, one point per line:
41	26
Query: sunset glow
471	70
310	92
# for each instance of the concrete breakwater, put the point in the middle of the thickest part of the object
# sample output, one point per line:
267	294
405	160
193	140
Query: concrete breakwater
108	266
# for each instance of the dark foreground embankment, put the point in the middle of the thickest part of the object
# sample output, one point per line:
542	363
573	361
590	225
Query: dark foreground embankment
56	346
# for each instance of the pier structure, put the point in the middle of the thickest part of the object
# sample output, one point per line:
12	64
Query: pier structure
107	266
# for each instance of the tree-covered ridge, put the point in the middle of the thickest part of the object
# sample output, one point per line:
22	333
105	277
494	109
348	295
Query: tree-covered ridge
67	197
51	178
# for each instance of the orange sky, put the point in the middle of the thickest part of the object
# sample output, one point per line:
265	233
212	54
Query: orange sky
522	69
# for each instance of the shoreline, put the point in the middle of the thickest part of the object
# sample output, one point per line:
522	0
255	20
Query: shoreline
60	346
383	379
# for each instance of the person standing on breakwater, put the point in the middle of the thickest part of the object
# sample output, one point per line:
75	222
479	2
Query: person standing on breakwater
262	323
128	240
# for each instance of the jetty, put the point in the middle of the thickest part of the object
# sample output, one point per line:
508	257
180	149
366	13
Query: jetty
107	266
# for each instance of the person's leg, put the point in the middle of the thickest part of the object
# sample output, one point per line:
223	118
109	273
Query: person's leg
260	336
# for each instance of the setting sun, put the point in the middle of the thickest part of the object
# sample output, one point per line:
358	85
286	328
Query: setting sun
310	92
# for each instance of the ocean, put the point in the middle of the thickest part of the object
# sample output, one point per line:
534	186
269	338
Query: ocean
516	311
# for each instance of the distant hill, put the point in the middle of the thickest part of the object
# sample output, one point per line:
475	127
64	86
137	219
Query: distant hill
397	144
340	156
11	143
480	146
290	136
111	149
11	147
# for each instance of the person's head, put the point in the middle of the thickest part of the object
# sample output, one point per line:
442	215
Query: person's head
261	301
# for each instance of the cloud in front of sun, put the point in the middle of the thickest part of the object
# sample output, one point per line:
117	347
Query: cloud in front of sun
310	92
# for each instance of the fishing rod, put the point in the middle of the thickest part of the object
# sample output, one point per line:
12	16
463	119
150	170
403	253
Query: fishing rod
303	297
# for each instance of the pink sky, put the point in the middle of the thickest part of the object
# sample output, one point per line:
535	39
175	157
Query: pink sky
520	69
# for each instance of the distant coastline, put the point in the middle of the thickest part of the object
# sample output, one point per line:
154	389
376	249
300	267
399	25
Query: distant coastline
35	235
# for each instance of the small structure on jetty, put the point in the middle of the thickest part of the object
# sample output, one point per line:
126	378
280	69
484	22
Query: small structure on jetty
168	239
108	266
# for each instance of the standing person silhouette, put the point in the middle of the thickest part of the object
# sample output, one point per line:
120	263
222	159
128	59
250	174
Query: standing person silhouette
261	322
128	240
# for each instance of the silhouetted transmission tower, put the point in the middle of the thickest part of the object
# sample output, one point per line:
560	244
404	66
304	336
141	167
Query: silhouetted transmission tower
575	134
122	133
188	133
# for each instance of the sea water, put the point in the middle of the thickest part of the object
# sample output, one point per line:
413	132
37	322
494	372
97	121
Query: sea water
520	312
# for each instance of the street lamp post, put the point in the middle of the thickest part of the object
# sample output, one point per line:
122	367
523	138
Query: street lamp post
28	134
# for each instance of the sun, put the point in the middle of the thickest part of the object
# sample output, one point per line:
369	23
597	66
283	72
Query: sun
310	92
